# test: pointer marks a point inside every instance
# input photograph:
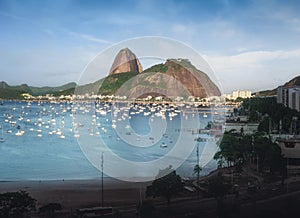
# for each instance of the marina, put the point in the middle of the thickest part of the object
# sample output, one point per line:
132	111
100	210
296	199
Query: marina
48	140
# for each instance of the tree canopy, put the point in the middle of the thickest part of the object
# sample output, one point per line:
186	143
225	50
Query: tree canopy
271	114
16	204
235	149
167	184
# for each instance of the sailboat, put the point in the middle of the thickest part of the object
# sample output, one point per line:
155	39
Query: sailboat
1	138
163	145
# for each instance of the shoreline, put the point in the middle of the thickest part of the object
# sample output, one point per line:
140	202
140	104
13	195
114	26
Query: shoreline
79	193
203	105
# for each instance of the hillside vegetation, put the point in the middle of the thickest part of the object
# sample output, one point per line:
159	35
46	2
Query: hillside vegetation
15	92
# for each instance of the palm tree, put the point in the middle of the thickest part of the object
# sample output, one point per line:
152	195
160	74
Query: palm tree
197	170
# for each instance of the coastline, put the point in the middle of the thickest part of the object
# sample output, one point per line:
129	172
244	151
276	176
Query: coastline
79	193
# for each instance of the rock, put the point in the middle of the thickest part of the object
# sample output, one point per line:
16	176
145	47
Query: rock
124	62
176	77
195	81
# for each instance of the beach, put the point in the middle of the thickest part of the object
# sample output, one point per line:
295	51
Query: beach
73	194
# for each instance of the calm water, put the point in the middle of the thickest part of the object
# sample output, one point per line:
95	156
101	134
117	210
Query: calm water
42	141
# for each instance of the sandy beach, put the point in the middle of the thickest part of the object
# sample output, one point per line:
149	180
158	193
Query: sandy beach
79	193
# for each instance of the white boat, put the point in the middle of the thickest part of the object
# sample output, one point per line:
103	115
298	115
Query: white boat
163	145
19	133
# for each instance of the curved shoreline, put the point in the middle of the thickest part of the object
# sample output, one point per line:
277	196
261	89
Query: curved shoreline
78	193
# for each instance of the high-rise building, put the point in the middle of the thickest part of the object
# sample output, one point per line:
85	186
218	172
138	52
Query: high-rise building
289	97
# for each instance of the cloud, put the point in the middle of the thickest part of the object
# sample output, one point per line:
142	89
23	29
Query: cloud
89	37
179	28
41	67
254	59
255	70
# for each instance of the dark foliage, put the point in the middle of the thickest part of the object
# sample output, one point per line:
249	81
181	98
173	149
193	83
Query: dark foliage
167	184
16	204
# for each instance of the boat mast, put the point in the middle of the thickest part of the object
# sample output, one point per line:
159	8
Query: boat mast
102	190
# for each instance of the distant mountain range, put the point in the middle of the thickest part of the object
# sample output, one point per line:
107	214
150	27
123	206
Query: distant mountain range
175	77
293	82
14	92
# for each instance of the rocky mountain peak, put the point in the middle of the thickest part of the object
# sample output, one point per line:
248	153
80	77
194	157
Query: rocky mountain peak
196	82
125	61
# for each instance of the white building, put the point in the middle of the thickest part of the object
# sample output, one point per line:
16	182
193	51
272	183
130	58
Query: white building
239	94
289	97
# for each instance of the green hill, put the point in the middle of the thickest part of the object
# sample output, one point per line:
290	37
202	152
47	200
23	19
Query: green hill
10	94
156	68
69	91
50	90
106	86
15	92
293	82
113	82
266	93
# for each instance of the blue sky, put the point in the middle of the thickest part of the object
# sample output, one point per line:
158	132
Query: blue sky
251	45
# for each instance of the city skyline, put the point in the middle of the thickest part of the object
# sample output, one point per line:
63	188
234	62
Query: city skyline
250	45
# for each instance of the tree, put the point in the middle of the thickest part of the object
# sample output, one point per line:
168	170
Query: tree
268	154
197	169
280	116
167	184
265	124
235	150
231	150
254	116
16	204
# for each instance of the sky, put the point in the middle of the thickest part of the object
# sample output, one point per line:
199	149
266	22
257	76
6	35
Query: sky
250	45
